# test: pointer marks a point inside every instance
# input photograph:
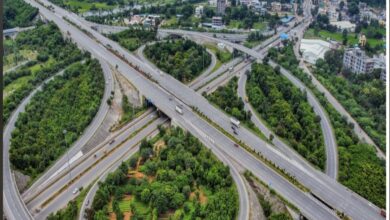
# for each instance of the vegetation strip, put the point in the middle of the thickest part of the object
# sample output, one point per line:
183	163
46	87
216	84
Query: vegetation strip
359	167
172	175
257	155
95	163
89	154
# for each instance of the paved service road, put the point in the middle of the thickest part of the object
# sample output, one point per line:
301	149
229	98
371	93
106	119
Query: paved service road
336	104
161	98
14	208
241	187
329	190
329	138
86	136
87	171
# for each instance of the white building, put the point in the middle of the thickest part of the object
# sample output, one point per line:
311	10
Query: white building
356	60
213	3
199	11
344	25
313	49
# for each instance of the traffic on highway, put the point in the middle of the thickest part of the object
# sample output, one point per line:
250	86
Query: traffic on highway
255	163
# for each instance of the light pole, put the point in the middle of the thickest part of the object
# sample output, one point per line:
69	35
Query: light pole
67	154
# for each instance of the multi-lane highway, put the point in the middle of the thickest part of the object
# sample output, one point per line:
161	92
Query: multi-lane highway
89	169
118	137
329	138
75	150
161	98
329	190
14	207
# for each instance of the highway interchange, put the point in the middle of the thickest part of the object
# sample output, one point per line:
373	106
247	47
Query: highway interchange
160	91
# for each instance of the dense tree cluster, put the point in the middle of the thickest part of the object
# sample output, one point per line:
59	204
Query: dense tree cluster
18	13
226	98
172	174
322	22
183	59
69	102
359	168
12	76
287	111
45	39
256	36
133	37
363	95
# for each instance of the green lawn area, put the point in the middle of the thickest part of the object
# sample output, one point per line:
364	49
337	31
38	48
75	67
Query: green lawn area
15	85
85	6
9	60
252	44
338	36
124	205
141	208
34	69
260	25
235	24
224	56
170	22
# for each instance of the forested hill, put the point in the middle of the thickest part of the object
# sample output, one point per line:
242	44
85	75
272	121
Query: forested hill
17	13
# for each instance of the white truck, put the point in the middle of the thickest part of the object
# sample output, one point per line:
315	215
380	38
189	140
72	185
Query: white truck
235	122
179	109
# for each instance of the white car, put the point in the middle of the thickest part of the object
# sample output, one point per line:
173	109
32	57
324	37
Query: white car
75	190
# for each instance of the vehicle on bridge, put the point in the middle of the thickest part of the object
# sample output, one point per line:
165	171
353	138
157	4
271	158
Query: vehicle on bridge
179	109
235	122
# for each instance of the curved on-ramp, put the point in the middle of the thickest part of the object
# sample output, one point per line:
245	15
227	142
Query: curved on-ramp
87	134
11	196
241	187
329	138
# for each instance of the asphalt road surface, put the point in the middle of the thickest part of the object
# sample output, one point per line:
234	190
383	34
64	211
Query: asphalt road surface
14	207
329	190
86	136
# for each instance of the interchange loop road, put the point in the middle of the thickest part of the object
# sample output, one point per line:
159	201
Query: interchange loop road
329	190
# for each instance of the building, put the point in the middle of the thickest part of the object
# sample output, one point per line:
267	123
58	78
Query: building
199	11
380	63
333	14
217	22
276	6
286	7
213	3
221	6
362	40
152	20
313	49
245	2
356	60
344	25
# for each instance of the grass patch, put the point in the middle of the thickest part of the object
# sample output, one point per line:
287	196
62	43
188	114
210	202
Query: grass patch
15	85
260	26
338	36
235	24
